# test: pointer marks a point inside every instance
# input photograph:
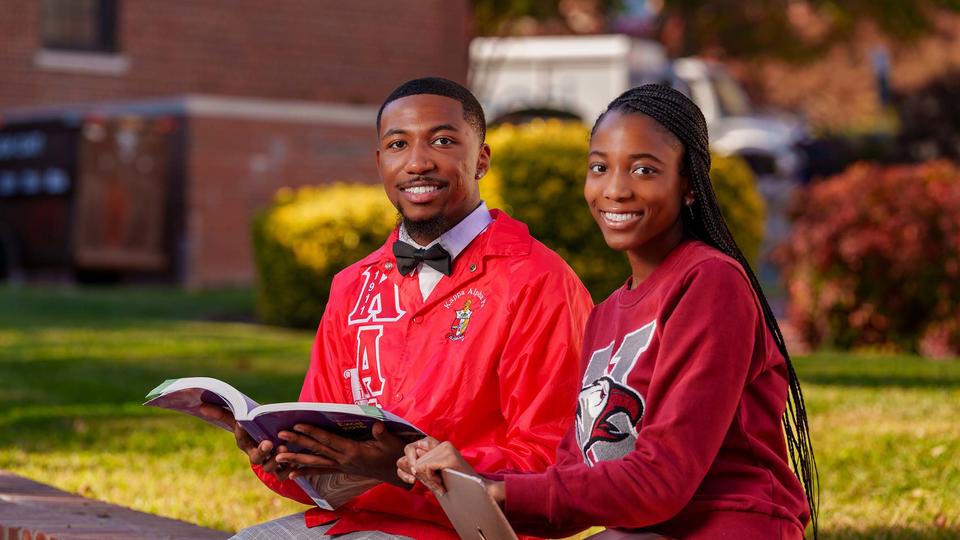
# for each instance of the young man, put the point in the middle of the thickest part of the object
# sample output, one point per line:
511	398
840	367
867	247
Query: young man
461	323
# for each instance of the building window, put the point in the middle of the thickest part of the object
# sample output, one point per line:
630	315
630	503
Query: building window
79	25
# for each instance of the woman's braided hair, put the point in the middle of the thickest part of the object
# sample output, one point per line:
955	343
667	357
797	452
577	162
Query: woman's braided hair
681	116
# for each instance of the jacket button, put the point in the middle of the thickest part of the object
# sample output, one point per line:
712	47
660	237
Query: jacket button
418	319
398	396
388	266
473	267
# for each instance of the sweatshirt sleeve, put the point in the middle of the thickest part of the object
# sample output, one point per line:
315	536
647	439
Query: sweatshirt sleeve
537	373
707	342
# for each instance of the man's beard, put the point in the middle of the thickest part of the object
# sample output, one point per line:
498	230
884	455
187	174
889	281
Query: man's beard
428	228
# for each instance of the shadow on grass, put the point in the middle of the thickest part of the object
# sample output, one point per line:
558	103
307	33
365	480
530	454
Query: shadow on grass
123	307
891	533
878	371
95	406
44	383
85	429
884	381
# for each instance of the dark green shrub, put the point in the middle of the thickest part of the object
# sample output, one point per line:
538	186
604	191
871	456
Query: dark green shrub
536	175
740	203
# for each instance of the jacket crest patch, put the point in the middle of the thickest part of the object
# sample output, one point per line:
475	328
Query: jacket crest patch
472	300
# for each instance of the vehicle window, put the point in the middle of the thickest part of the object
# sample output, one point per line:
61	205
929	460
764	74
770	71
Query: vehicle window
733	101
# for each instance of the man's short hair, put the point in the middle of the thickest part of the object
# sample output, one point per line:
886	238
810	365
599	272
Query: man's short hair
437	86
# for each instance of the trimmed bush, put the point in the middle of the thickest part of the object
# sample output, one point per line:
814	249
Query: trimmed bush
306	237
874	259
537	174
740	203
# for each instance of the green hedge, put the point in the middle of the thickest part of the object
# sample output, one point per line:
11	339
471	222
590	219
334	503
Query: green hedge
537	174
305	238
740	203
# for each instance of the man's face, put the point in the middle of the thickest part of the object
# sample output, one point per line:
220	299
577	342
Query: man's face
429	159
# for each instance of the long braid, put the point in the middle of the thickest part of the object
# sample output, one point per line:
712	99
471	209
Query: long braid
679	115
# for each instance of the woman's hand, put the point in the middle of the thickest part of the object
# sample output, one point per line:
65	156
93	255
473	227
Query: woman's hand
411	453
424	459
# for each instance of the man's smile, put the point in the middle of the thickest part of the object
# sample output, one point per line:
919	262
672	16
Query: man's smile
422	190
419	190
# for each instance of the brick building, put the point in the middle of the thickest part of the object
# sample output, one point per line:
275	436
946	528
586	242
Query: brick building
140	137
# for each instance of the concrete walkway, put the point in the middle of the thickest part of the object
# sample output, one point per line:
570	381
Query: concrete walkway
33	511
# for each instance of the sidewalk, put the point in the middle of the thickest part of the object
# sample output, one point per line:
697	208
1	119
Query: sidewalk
33	511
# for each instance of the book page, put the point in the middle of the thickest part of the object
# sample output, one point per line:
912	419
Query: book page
335	489
264	422
188	394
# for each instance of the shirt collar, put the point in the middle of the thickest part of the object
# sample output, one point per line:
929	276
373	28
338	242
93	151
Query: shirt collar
459	237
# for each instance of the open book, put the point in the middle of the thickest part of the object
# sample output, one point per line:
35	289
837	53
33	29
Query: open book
264	422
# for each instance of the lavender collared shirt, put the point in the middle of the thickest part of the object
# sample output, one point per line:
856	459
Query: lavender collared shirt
454	241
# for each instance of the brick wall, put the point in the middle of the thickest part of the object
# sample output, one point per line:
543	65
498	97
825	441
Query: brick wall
290	94
236	165
315	50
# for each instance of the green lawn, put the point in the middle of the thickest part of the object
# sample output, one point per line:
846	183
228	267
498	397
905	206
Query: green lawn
75	365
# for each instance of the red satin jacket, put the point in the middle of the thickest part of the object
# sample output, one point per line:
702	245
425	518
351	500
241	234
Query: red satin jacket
489	362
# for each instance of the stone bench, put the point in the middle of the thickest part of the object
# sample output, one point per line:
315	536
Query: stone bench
33	511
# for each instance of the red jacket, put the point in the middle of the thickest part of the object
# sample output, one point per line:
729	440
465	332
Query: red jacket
488	361
678	420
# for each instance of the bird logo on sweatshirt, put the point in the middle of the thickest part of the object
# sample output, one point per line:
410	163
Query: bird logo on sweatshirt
608	409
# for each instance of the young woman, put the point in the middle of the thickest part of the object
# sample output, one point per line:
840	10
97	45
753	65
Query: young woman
681	412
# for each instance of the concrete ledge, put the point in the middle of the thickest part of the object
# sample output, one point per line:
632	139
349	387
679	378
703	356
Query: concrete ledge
33	511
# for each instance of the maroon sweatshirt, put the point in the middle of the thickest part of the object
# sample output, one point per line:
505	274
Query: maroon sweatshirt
678	426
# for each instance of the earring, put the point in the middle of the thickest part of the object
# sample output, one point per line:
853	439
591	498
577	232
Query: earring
688	202
480	174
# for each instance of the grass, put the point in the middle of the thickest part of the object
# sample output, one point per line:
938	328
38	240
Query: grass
75	366
886	436
76	363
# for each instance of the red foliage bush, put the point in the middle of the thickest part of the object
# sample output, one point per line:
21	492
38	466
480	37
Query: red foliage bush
874	259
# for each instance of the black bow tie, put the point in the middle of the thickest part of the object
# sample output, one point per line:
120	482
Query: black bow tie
408	257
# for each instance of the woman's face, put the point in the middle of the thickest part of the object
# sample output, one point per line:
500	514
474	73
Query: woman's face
634	187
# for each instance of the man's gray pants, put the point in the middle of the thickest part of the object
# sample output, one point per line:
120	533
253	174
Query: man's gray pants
294	528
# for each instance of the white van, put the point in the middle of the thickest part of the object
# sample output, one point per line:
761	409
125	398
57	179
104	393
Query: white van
577	76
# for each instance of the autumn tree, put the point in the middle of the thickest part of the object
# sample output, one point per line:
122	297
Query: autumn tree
785	29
